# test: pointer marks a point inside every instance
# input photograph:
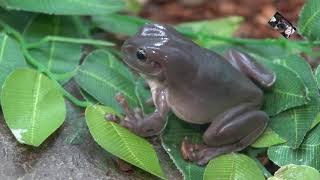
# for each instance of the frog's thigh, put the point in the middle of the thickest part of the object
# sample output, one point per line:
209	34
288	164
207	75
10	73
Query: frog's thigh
238	128
252	69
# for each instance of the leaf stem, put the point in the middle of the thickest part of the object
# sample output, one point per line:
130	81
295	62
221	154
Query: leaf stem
68	40
39	66
242	41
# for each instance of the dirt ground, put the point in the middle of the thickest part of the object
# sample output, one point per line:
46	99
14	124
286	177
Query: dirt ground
256	12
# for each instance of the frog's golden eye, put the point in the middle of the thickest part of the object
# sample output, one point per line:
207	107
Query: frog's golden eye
141	55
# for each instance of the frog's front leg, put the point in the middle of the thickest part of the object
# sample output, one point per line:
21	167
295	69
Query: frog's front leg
247	65
143	126
229	132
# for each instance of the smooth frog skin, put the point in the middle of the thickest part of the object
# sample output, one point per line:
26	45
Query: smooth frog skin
200	87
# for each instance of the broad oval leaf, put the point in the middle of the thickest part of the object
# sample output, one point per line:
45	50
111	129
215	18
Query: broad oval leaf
122	24
306	154
309	20
288	91
102	76
121	142
175	131
66	7
267	139
11	57
233	166
33	106
296	172
293	124
57	57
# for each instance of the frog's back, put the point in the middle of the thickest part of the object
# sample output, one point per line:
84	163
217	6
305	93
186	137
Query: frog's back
216	86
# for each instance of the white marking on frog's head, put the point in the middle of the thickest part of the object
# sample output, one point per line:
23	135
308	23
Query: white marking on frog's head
162	42
159	26
18	134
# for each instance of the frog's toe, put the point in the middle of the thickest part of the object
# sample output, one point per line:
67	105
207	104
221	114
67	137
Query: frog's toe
111	117
195	152
138	114
187	150
205	155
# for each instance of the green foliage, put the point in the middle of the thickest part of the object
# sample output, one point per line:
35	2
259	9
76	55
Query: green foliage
134	6
296	172
309	20
267	139
11	57
102	76
233	166
120	141
11	17
288	91
66	7
57	57
56	50
176	130
33	107
293	124
317	74
120	24
225	27
306	154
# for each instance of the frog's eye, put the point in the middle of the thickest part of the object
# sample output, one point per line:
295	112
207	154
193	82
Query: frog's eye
141	55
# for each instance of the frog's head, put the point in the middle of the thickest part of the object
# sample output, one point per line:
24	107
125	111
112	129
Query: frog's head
150	50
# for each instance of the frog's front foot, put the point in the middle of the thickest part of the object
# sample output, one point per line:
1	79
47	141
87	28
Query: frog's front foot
133	117
199	153
136	122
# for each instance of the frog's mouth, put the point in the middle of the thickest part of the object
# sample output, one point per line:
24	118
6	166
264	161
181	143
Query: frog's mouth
150	69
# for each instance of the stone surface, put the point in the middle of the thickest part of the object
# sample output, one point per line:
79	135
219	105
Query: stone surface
70	153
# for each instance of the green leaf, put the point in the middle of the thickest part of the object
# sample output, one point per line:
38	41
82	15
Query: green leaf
317	74
16	19
33	106
233	166
88	97
309	20
66	7
11	57
288	91
175	131
222	27
82	25
119	24
57	57
267	139
296	172
121	142
102	76
306	154
266	51
143	95
134	6
292	125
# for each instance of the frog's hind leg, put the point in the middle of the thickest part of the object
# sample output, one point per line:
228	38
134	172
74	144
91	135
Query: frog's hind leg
231	132
248	66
